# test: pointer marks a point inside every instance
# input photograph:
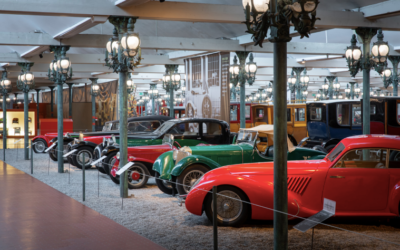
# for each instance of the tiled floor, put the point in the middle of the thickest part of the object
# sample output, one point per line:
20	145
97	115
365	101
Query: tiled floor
34	216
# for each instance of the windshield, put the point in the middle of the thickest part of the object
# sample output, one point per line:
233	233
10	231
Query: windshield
335	152
248	137
107	126
164	128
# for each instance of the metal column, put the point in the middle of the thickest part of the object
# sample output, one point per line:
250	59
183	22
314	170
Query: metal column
60	129
280	146
37	114
330	89
93	113
366	34
26	127
171	103
242	104
395	80
70	100
4	126
51	100
123	131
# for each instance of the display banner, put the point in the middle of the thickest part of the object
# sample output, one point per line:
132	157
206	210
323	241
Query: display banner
207	86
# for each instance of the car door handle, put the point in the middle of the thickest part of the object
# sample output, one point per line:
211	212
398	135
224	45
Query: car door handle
337	176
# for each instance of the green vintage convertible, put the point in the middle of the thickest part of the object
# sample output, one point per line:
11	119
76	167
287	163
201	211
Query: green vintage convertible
186	165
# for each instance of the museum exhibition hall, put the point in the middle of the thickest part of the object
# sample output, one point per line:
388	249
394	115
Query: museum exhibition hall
199	124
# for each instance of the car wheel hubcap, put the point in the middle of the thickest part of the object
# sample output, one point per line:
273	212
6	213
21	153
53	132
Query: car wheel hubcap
229	206
88	157
135	175
40	146
190	178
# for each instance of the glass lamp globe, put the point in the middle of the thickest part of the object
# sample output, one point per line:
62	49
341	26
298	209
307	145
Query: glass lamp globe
380	51
28	79
318	95
353	53
387	73
260	6
63	65
325	86
176	78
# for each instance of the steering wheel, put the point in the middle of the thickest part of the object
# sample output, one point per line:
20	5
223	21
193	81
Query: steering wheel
380	165
179	146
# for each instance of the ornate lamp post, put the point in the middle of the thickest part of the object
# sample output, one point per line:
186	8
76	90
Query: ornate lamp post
357	60
60	71
94	91
391	77
332	88
153	93
146	100
184	89
5	87
25	83
298	83
260	16
240	74
353	90
171	82
234	91
123	53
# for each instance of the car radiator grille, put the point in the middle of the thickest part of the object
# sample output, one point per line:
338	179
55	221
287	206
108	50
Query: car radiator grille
298	184
181	155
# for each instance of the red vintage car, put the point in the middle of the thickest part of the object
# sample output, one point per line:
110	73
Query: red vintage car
361	174
44	141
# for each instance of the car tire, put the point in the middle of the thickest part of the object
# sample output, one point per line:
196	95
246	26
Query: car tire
142	171
70	161
188	177
320	148
108	164
165	186
40	146
77	158
330	147
237	213
52	154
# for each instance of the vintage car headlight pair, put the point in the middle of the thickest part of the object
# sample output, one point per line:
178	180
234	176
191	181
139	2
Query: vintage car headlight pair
118	154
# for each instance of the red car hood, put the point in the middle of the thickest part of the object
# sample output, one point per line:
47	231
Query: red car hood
267	168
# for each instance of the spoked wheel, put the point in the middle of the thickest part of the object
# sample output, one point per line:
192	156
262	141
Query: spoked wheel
96	156
164	185
138	175
206	107
88	152
111	161
40	146
231	211
188	177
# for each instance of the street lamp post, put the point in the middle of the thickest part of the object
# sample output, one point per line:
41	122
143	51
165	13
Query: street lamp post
234	91
298	83
171	82
60	71
357	60
94	91
25	83
37	107
153	93
331	89
70	99
5	87
52	100
242	73
353	90
392	78
123	53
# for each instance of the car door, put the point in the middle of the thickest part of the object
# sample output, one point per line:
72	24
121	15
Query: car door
359	181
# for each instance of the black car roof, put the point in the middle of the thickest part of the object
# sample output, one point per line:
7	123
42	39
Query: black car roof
198	120
147	118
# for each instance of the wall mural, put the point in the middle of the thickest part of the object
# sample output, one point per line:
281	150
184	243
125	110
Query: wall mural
132	105
207	86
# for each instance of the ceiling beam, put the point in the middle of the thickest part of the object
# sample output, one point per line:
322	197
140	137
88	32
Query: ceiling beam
381	10
81	26
180	11
122	3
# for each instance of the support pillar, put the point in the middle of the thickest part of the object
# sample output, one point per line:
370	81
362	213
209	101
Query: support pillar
352	92
4	126
70	100
123	131
171	103
395	79
93	113
37	114
242	55
280	146
51	100
298	71
60	129
365	35
26	127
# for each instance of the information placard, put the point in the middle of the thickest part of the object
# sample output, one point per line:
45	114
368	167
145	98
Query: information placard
70	153
98	160
31	145
124	168
328	211
52	146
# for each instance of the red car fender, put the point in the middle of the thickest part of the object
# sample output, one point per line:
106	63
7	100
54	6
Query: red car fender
44	138
259	194
394	199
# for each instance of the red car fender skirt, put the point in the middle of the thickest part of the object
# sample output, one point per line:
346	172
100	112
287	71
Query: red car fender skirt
42	137
394	199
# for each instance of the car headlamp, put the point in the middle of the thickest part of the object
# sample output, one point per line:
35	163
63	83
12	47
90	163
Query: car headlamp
80	136
67	135
76	140
118	154
175	154
186	150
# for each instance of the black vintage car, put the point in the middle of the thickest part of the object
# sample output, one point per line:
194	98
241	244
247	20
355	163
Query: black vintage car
185	131
85	142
